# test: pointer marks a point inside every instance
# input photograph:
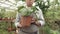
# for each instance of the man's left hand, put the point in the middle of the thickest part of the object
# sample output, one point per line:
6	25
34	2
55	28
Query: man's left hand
37	23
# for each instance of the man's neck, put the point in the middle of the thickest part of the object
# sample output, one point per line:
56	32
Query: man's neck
30	5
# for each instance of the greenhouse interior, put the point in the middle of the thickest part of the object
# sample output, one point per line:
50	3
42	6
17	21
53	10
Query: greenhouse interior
50	9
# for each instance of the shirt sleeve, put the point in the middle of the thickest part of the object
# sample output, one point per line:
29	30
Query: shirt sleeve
40	16
17	20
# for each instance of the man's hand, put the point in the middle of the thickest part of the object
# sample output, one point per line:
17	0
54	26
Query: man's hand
38	24
33	20
19	25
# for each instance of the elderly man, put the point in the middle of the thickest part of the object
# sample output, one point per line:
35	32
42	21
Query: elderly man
33	29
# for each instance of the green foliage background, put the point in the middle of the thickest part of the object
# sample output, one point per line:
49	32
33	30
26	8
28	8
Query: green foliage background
51	13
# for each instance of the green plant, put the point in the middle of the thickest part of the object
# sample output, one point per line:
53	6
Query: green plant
26	11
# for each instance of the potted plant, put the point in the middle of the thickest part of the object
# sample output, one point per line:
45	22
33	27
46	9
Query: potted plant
26	15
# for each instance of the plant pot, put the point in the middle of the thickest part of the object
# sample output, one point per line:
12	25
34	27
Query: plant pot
25	21
0	18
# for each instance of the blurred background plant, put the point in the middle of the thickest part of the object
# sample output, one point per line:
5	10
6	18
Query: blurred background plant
51	12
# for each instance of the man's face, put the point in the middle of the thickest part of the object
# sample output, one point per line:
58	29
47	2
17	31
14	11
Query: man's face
29	2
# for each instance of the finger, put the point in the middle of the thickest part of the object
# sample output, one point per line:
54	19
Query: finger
20	25
32	21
